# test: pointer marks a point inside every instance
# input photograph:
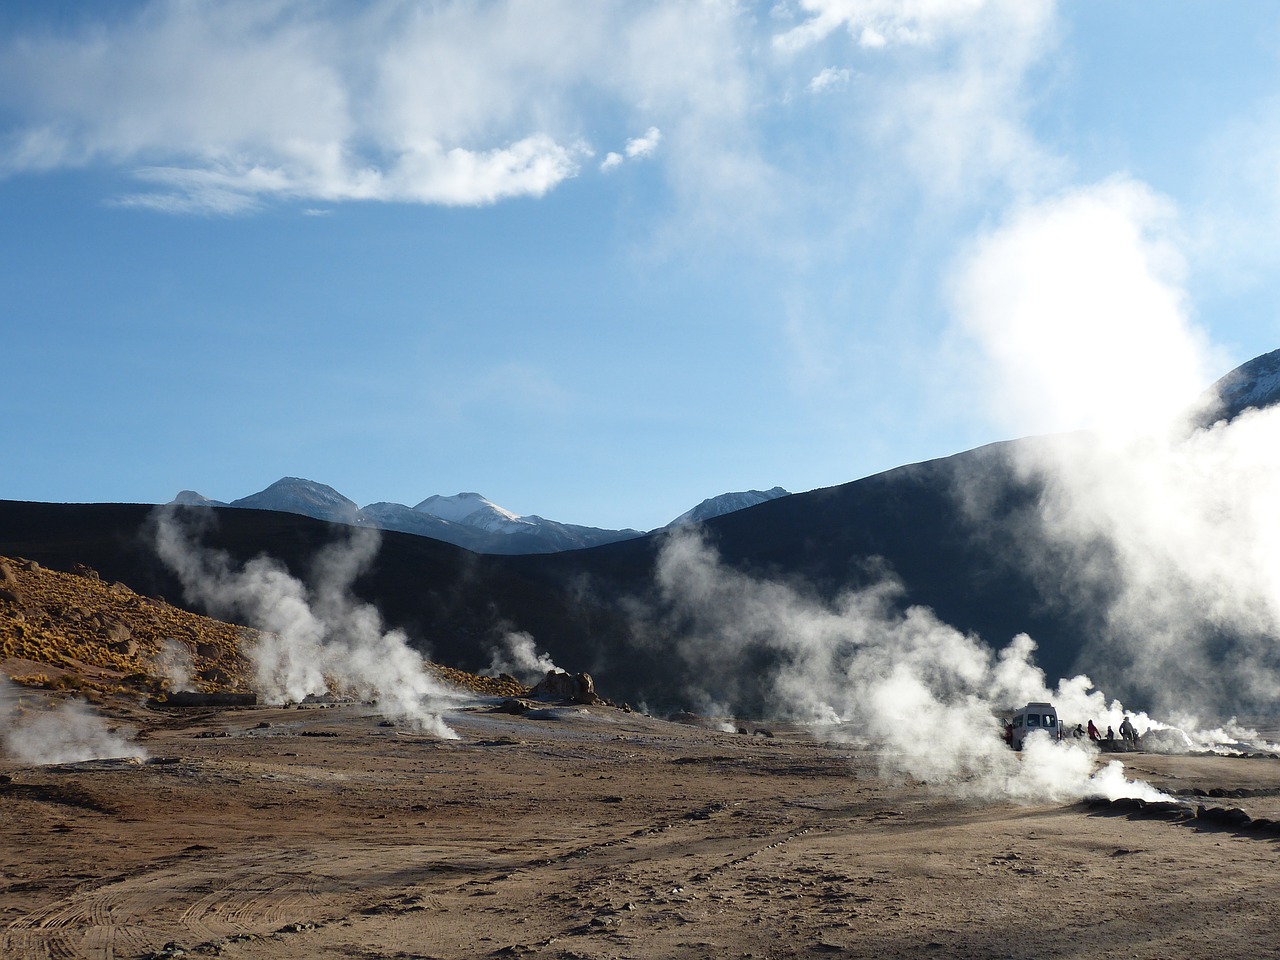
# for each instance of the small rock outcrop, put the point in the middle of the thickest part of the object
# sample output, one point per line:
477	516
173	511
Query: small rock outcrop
576	688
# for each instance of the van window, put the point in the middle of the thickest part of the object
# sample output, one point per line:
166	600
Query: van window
1033	719
1017	721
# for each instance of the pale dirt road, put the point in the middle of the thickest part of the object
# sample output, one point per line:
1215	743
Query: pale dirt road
319	833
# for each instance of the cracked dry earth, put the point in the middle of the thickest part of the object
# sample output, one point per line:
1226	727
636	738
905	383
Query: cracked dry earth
573	833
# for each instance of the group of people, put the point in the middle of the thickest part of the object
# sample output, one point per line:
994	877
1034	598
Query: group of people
1128	732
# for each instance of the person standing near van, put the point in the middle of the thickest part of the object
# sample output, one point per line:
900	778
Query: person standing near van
1093	732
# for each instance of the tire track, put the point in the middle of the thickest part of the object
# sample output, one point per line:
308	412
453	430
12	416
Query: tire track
200	901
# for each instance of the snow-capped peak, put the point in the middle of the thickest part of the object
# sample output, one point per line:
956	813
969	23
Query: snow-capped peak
475	511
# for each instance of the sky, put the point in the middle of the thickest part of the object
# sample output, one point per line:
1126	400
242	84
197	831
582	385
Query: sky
601	261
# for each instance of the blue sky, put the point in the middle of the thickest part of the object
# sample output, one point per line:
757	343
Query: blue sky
601	261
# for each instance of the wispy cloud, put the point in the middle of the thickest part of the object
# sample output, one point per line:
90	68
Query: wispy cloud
829	79
222	108
951	84
637	147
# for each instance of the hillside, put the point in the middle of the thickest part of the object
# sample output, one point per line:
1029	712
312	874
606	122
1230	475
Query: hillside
75	632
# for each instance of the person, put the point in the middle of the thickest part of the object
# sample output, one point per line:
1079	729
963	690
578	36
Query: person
1111	734
1008	733
1127	731
1078	732
1093	732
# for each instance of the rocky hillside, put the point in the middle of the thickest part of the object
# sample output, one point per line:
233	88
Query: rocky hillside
76	632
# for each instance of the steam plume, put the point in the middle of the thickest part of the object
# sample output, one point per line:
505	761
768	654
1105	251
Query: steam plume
175	665
1163	526
69	733
921	691
311	635
519	657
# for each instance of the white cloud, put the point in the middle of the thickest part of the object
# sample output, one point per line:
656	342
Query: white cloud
1077	309
218	108
829	79
952	75
646	145
882	23
636	148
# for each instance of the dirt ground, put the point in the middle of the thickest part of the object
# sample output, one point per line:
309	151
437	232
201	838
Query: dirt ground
591	833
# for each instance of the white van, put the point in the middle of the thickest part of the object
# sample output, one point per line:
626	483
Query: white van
1032	718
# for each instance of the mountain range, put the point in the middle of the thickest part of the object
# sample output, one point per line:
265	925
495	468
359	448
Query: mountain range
466	520
603	609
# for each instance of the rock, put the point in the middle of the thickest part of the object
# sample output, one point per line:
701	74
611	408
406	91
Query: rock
10	595
576	688
117	632
215	676
513	705
88	572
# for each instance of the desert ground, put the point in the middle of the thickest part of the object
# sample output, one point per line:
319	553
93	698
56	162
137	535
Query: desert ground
560	831
576	832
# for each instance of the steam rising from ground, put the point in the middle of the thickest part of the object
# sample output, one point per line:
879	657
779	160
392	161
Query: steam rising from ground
311	636
68	733
176	665
519	658
922	692
1176	533
1165	527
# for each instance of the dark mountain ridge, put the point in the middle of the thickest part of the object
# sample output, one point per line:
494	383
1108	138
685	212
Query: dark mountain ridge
600	610
581	606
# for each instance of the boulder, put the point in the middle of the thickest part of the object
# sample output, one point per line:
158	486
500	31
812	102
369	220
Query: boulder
576	688
513	705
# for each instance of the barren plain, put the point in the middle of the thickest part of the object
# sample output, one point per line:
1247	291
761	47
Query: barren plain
588	832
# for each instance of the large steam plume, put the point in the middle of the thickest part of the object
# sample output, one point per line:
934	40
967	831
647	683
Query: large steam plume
311	636
926	695
1164	528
